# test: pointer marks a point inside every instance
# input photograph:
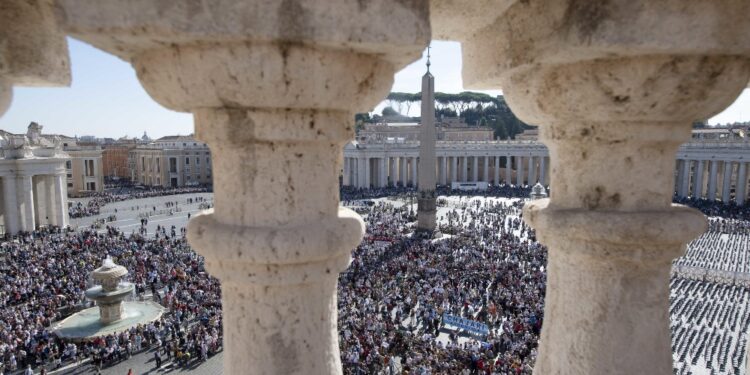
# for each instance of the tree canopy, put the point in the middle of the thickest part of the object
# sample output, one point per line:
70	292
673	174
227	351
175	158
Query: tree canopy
476	109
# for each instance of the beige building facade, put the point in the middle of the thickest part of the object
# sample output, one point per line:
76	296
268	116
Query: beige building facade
85	168
172	161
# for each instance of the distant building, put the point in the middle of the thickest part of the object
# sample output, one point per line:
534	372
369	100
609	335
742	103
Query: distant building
32	175
172	161
448	129
115	157
85	173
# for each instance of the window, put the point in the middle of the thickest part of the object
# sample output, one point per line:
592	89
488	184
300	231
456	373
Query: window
187	161
70	184
197	161
173	165
91	186
88	167
143	163
208	160
70	175
158	166
68	164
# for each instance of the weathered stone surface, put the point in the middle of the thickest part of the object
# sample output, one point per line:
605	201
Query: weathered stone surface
33	49
387	28
543	32
459	19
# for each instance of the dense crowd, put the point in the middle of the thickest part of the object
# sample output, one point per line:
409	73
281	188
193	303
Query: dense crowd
349	194
392	300
393	297
717	208
45	274
98	200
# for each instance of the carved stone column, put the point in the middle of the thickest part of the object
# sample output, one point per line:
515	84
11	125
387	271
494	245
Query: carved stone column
273	86
609	223
614	87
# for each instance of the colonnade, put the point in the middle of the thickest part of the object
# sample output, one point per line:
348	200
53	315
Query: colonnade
383	171
274	86
719	179
31	201
712	179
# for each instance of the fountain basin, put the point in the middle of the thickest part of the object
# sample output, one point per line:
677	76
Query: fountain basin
86	324
100	295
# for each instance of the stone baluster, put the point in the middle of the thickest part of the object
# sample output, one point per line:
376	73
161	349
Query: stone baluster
614	87
273	87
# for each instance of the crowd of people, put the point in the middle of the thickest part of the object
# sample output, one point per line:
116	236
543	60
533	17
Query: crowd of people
96	201
45	273
349	194
393	297
717	208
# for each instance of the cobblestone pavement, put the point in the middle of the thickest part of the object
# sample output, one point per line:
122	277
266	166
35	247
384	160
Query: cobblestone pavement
143	364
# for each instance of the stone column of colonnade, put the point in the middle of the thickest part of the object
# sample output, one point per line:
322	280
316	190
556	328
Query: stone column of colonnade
741	190
486	169
58	188
519	171
726	184
454	169
713	173
276	238
614	87
25	199
508	171
444	170
698	179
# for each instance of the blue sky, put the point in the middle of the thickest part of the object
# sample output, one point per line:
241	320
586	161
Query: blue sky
106	100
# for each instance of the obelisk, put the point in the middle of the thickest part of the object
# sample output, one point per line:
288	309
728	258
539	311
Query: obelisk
426	181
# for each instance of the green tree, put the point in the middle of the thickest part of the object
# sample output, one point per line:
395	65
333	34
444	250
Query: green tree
389	111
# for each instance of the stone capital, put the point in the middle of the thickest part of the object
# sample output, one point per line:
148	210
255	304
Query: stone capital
535	32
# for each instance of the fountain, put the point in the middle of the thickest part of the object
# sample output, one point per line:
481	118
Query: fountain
538	192
111	292
112	313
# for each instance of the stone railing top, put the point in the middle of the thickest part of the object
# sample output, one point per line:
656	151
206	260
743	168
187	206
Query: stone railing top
129	28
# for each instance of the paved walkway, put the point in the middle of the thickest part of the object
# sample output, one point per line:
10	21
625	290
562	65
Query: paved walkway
128	212
143	364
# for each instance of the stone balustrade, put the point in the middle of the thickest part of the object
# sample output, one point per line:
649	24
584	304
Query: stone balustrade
273	86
